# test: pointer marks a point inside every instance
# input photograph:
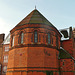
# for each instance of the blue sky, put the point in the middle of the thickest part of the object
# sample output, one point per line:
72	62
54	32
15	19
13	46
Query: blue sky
61	13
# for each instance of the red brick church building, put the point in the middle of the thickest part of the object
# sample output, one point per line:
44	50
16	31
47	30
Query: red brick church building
36	47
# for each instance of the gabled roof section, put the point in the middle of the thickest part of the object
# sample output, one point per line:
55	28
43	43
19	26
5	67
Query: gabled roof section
2	38
64	54
7	39
35	17
66	33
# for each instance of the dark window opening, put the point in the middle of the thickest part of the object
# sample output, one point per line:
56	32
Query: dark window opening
49	72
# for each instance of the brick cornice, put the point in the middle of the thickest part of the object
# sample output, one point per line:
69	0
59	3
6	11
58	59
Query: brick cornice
34	45
35	26
39	71
33	67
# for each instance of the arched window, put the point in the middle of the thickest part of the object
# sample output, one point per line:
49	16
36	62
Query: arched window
35	37
12	41
48	38
22	36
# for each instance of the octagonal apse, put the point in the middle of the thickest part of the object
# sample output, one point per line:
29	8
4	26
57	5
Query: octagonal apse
34	47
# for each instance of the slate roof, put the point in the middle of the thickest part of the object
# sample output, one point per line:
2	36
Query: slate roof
35	17
64	54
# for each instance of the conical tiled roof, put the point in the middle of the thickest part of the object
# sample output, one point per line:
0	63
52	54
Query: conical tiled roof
35	17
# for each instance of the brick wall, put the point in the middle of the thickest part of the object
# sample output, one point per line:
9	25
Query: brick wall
67	66
5	53
29	57
68	46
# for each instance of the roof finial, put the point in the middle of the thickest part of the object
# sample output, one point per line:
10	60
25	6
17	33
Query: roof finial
35	7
